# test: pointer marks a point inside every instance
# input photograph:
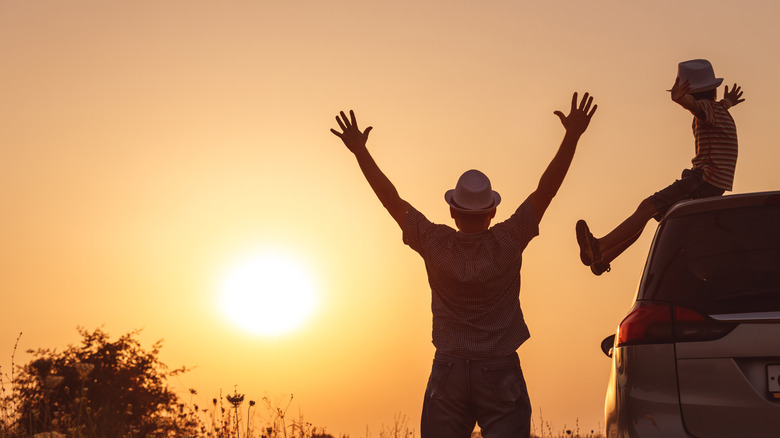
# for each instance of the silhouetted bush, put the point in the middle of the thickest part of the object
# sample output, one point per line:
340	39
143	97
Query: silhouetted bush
99	388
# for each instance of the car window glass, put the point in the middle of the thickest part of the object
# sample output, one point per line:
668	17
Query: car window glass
725	261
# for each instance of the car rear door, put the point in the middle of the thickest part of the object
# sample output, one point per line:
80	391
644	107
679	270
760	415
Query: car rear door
728	387
721	272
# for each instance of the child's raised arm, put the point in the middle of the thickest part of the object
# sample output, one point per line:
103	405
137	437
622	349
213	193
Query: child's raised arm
681	95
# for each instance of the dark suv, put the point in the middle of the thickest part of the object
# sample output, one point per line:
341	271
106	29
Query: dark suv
699	353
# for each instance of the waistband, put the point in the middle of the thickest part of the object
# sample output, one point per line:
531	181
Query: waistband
511	358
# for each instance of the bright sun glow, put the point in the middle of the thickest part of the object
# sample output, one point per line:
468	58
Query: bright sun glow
268	294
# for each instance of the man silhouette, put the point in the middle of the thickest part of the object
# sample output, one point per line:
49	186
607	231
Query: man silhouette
474	275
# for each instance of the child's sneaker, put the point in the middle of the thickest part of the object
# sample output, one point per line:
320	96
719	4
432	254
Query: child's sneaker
589	246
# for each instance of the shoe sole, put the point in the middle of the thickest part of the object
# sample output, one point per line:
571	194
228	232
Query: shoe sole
584	241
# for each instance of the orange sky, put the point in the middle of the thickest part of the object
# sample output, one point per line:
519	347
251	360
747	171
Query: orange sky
146	145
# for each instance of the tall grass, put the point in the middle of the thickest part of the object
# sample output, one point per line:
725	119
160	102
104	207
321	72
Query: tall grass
228	416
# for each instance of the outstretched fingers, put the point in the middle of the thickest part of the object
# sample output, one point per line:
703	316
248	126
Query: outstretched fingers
342	124
590	110
573	102
585	101
343	121
347	123
576	122
586	104
350	134
736	93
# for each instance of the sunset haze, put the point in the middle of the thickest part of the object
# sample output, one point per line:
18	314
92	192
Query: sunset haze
147	147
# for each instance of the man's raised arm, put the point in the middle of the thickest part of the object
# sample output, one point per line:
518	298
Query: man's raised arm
575	123
355	140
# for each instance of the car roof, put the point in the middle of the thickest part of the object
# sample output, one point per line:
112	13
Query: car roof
723	203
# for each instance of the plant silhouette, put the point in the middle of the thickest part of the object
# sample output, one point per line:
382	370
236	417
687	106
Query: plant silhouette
99	388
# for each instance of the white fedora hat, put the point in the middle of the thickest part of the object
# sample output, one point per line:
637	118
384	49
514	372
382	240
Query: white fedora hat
472	194
699	74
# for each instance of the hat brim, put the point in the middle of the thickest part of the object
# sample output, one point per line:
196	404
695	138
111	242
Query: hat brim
454	205
708	87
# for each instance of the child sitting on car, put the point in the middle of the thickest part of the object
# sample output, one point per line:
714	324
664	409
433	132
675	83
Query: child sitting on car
712	173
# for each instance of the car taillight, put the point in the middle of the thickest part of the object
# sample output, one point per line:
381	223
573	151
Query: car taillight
690	325
647	323
660	323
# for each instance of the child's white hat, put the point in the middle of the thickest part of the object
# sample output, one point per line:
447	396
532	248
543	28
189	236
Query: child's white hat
699	74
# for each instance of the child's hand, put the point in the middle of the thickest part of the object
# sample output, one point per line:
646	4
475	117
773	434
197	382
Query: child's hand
578	119
680	90
351	135
733	96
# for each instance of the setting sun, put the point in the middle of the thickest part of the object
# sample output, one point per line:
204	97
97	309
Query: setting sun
268	294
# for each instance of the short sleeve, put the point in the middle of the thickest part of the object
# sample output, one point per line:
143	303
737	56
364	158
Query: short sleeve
420	233
415	225
521	227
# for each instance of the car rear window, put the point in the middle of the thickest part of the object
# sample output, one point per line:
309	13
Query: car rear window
725	261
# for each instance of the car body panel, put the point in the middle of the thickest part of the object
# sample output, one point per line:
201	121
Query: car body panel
718	401
642	396
723	383
718	387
